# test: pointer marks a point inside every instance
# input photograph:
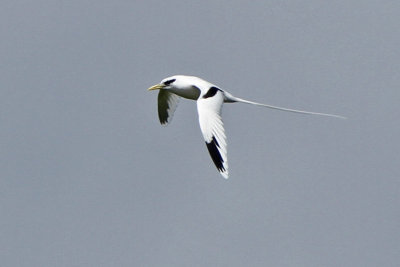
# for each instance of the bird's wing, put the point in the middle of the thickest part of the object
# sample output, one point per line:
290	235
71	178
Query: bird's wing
167	103
209	108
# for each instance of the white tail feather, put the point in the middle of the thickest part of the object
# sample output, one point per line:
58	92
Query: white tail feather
231	98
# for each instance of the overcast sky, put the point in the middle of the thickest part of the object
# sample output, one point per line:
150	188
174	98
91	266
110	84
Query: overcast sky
88	176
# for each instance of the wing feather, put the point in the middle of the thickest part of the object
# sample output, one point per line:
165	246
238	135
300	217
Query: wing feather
167	103
212	128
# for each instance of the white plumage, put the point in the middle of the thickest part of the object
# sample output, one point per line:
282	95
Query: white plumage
209	99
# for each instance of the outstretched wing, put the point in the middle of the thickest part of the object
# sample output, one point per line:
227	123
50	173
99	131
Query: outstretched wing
167	103
209	108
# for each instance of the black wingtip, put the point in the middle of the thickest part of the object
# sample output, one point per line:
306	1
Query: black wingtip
215	155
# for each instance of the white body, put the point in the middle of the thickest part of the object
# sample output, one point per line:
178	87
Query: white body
209	99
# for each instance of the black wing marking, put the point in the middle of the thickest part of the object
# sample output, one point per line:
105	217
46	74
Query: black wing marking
213	148
211	92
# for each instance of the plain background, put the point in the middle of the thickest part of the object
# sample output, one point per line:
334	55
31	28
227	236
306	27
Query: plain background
88	177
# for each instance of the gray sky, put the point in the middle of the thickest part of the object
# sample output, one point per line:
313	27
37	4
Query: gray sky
88	177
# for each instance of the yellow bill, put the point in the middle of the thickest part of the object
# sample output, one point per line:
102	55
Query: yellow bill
156	87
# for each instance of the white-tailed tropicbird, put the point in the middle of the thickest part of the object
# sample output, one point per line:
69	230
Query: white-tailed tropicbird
209	99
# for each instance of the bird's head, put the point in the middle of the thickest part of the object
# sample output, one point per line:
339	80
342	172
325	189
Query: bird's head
180	82
166	83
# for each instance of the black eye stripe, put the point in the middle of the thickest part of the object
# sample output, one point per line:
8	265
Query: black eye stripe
169	81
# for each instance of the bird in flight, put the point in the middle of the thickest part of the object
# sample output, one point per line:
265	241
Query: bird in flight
209	99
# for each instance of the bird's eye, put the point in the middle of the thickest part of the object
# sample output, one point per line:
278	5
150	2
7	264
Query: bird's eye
169	81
